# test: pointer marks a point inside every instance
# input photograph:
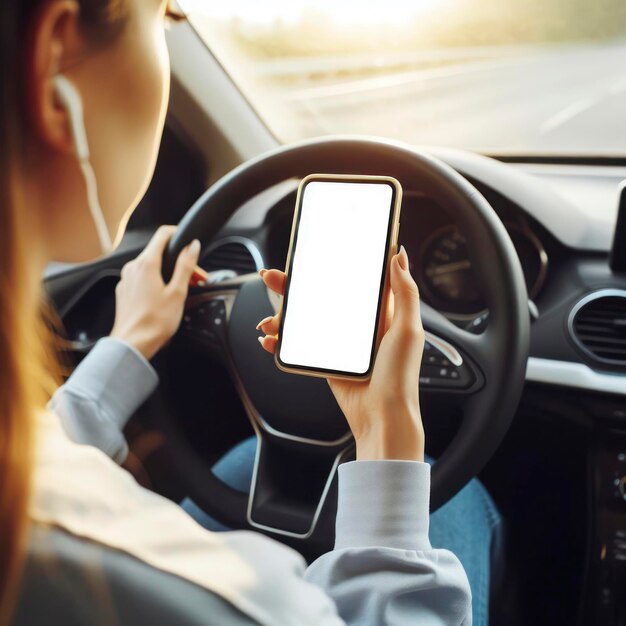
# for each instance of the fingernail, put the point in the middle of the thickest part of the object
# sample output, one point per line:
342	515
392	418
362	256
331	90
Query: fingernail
263	321
403	259
199	274
194	249
262	272
261	339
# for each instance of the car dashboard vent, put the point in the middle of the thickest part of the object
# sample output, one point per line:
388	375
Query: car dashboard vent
237	254
598	325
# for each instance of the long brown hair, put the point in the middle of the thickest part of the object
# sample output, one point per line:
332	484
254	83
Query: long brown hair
26	366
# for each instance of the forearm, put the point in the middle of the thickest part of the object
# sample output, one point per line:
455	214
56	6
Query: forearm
102	394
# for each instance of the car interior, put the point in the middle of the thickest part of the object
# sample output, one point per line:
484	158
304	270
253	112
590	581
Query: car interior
519	252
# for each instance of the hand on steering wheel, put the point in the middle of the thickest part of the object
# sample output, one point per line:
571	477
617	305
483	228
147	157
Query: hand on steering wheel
147	309
384	411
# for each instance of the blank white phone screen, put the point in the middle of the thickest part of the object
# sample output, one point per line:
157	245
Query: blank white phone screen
335	277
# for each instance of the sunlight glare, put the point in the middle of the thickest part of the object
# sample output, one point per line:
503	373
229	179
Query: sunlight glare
340	12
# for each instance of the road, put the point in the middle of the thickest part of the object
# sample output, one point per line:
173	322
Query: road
560	99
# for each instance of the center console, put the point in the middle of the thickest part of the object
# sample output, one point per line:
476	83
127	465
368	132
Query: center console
605	603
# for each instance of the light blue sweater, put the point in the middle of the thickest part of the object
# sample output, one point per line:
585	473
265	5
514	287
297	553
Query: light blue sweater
382	569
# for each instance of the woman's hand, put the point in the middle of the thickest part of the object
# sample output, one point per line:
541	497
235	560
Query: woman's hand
384	411
148	311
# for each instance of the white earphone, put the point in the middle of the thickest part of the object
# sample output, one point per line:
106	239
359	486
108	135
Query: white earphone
71	100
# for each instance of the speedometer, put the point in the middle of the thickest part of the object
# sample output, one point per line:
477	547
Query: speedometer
447	276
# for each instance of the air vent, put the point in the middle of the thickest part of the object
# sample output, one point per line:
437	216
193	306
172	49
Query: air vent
238	254
598	324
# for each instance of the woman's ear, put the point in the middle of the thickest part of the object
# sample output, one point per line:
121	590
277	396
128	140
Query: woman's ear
53	43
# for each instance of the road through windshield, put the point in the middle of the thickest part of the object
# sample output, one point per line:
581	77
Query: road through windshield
474	74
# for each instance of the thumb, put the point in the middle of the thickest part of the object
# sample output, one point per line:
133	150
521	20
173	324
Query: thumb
406	313
185	265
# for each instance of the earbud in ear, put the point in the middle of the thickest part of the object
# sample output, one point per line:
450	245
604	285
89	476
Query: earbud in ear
71	100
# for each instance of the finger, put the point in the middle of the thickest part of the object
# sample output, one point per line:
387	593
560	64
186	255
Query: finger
405	293
270	324
268	343
275	280
185	266
160	239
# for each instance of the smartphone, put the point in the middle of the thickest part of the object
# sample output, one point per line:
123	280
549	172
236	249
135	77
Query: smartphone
344	233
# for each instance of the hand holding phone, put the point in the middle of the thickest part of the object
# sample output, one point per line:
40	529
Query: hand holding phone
383	411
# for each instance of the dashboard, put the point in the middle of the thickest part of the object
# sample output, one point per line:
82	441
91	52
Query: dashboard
439	256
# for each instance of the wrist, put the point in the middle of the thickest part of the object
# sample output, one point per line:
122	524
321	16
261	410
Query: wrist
145	345
391	438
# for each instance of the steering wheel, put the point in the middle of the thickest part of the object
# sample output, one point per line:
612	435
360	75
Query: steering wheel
302	435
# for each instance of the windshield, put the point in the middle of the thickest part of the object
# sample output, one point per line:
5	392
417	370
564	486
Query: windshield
496	76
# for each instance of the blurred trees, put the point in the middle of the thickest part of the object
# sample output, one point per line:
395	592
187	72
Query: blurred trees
448	23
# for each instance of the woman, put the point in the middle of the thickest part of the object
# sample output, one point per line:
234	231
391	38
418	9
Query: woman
383	568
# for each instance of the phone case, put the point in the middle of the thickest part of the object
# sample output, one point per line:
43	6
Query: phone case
392	242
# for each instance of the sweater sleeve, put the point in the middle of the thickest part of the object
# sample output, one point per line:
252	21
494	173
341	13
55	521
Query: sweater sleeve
383	570
101	395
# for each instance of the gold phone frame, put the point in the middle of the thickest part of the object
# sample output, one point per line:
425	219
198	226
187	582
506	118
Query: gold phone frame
390	246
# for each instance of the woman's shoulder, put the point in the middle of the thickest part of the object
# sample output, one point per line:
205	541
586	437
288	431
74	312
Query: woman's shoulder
80	490
67	578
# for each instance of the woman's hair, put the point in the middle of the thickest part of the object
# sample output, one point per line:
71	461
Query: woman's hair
26	362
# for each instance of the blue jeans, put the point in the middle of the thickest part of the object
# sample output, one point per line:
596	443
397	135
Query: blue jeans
468	525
